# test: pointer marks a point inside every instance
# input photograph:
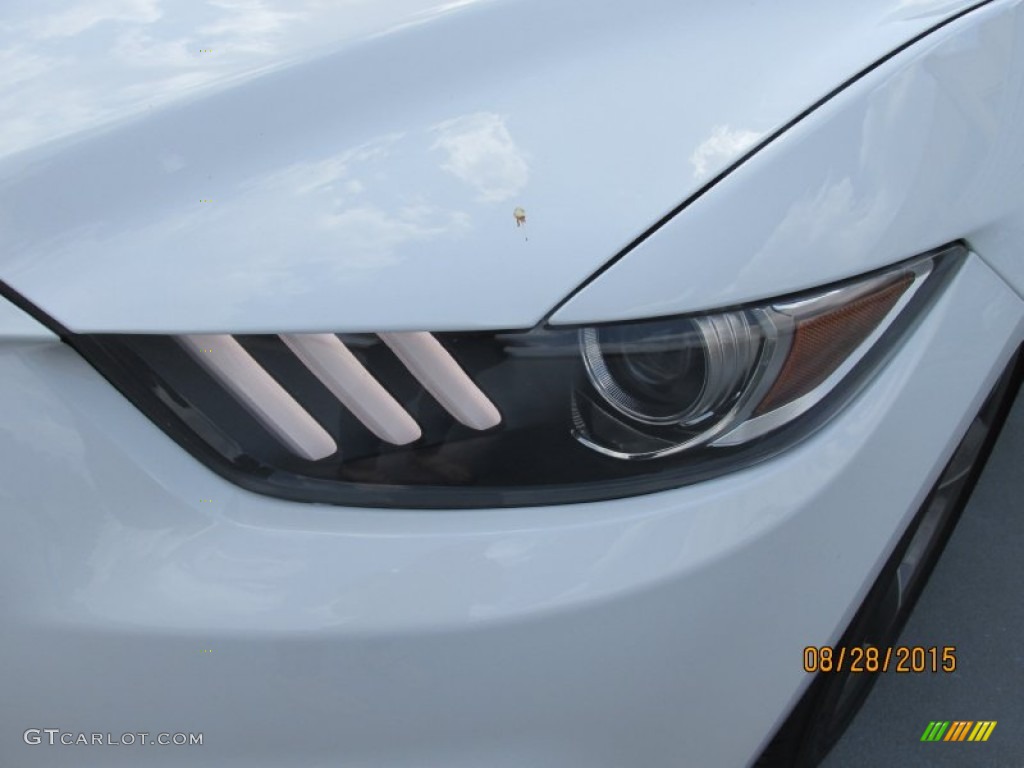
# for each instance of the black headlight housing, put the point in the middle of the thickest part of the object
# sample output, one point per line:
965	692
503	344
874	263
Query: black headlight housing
516	418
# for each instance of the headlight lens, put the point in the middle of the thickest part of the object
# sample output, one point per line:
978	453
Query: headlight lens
545	416
672	371
663	387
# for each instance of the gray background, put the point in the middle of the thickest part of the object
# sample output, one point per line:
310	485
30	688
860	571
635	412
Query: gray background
973	601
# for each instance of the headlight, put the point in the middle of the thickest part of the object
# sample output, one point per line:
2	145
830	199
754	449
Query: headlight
679	371
545	416
667	386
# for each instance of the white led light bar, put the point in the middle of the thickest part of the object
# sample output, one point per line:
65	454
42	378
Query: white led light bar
338	369
236	370
443	378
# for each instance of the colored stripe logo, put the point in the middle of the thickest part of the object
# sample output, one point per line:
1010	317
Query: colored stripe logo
958	730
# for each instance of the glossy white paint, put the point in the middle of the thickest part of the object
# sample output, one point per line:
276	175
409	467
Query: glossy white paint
644	631
16	324
364	162
272	167
926	149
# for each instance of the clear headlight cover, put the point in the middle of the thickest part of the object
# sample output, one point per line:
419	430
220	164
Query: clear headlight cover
545	416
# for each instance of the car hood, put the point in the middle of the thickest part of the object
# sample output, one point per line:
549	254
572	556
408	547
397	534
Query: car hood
258	166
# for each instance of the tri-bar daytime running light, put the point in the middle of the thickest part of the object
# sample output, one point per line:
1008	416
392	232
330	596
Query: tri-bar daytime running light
546	416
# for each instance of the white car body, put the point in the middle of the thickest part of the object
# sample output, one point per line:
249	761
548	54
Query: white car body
365	162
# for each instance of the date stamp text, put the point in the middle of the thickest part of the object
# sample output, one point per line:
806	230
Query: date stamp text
900	658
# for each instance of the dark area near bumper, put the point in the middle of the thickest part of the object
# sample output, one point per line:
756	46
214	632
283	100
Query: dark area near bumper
972	601
832	702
